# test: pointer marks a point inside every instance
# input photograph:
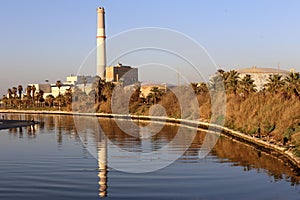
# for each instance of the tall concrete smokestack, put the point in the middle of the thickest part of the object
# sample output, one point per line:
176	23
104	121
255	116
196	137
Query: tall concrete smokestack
101	47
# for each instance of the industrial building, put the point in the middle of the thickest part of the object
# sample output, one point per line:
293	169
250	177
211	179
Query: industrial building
126	75
261	75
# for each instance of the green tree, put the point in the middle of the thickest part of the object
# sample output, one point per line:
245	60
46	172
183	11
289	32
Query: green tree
49	100
199	88
58	84
20	90
246	85
5	100
275	83
231	80
68	99
292	86
28	91
14	92
135	97
99	86
9	93
40	96
155	94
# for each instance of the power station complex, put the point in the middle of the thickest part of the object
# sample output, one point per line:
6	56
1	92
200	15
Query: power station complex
127	75
119	73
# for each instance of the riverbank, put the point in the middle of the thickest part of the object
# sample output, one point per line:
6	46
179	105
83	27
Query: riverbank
281	152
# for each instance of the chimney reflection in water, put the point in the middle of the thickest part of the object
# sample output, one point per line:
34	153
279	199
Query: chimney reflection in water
102	166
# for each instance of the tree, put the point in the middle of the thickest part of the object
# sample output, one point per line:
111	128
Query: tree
292	86
135	97
231	80
155	94
100	83
33	89
200	88
275	83
14	92
9	93
246	85
28	91
40	96
68	98
58	84
60	101
20	90
49	100
5	100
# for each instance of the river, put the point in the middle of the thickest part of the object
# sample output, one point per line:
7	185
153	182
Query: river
56	160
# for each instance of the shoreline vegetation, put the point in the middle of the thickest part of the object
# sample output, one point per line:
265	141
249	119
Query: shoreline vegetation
268	118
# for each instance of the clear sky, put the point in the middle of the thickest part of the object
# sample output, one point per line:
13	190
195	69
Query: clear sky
48	39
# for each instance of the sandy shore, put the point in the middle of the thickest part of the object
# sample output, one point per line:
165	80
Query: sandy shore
283	154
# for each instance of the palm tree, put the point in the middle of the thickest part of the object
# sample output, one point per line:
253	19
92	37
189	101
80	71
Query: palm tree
9	93
246	85
275	83
200	88
135	97
60	100
5	100
28	91
14	91
292	86
68	98
221	71
58	84
99	90
33	89
231	80
20	90
49	100
40	96
155	93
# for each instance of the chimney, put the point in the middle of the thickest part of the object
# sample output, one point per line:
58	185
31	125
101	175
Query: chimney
101	47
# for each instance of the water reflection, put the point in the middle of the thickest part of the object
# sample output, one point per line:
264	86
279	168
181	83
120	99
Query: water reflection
86	130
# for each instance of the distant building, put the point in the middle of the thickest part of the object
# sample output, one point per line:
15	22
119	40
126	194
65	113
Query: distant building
46	88
73	80
146	88
82	82
261	75
55	90
120	73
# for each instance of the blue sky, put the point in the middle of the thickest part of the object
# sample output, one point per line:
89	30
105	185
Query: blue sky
43	39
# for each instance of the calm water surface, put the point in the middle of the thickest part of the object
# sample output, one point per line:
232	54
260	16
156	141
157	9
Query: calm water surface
51	161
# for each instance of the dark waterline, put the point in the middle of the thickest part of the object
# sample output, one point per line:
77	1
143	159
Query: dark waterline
51	161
